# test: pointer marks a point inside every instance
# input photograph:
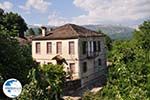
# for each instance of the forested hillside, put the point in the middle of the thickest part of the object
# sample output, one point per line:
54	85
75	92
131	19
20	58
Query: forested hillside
113	31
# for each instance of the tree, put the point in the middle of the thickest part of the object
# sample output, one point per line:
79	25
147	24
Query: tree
46	83
99	31
15	60
1	15
141	38
129	76
13	23
108	42
30	32
1	83
1	11
39	31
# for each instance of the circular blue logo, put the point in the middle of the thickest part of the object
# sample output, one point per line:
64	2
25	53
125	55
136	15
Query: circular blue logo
12	88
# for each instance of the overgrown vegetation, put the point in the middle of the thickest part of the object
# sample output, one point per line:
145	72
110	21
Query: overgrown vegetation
15	59
12	22
129	75
45	83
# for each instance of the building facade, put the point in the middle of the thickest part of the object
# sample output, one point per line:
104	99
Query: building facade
83	50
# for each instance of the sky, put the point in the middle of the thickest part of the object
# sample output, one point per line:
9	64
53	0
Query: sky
82	12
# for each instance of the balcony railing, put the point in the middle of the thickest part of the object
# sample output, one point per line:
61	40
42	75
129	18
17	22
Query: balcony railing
91	55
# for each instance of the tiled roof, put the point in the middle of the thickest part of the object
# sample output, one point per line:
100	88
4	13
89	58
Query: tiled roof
68	31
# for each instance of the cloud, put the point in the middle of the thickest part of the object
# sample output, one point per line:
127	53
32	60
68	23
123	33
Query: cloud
40	5
114	11
56	20
6	5
126	12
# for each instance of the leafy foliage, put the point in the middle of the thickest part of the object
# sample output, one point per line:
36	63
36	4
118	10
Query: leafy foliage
39	31
46	83
30	31
129	75
141	36
91	96
108	42
12	22
15	60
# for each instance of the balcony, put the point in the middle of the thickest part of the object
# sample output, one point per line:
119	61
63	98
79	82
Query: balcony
91	55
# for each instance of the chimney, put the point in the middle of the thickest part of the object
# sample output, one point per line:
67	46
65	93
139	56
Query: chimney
43	28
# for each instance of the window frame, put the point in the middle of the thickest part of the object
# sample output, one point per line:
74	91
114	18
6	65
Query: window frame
71	49
84	67
99	45
84	47
37	49
48	63
74	70
59	49
94	46
49	48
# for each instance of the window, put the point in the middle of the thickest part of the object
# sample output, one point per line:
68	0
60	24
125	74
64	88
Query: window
84	67
84	47
94	46
72	67
99	46
59	47
89	46
49	47
99	62
71	47
49	63
38	63
37	48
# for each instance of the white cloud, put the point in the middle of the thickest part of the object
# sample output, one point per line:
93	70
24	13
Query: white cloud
6	5
112	10
41	5
126	12
56	20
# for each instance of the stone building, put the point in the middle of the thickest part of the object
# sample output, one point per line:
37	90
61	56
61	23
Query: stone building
83	51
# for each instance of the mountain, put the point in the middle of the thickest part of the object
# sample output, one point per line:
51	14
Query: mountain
114	31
